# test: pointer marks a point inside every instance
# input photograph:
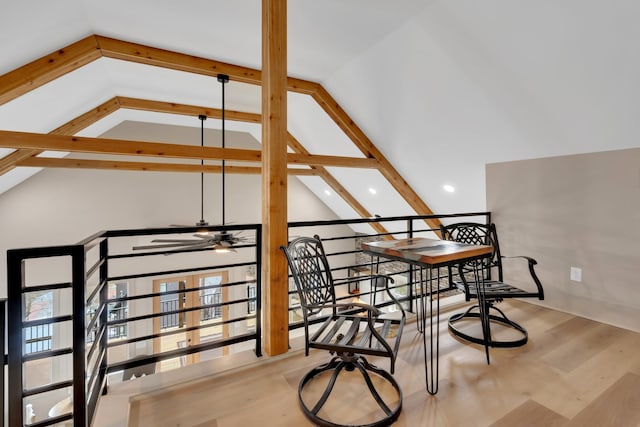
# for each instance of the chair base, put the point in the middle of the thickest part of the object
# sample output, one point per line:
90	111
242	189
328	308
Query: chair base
488	339
350	362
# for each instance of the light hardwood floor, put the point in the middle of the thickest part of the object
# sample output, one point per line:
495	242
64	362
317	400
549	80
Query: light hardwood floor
572	372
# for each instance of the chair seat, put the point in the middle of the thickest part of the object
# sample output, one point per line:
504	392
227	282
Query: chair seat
496	290
350	334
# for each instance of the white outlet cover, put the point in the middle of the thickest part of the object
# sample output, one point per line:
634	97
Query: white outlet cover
575	274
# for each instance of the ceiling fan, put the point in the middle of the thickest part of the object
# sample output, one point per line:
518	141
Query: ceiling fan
221	241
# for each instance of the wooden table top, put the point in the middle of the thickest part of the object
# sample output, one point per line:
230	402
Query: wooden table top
430	252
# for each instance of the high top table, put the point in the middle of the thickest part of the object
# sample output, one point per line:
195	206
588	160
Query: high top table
429	254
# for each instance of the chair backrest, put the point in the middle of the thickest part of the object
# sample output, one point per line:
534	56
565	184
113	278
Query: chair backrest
311	273
477	234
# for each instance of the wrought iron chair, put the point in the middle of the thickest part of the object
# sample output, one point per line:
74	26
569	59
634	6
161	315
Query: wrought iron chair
350	331
494	290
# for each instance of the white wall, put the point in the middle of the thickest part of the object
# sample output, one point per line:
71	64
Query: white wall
462	83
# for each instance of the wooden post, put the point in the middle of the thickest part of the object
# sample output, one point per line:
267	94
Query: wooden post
274	175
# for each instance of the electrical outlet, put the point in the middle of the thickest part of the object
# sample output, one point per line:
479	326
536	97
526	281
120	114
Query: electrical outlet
575	274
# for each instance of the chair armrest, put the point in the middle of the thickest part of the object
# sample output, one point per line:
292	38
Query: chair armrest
371	309
354	305
371	277
529	259
532	263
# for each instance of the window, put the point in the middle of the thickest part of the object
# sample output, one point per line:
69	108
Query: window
117	310
251	296
210	295
38	305
37	339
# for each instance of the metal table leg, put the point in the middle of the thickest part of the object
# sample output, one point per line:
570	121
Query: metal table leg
478	276
431	360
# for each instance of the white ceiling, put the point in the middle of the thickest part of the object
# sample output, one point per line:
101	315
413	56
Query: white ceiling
441	87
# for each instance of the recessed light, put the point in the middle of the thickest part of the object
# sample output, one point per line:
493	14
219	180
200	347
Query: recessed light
449	188
372	190
327	192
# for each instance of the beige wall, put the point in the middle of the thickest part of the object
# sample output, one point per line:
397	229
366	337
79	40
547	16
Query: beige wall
582	211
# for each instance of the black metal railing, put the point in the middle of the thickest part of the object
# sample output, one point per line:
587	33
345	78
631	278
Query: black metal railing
3	317
114	305
399	227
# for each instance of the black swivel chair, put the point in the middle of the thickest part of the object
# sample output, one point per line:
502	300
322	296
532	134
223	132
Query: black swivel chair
495	289
350	331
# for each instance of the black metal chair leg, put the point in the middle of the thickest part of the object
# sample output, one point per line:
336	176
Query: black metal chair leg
364	367
501	319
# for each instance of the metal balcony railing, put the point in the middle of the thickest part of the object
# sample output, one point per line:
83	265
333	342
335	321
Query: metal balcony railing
86	338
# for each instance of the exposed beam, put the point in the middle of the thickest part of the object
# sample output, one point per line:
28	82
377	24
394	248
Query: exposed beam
70	128
187	110
8	162
76	144
87	119
335	161
133	52
337	187
47	68
66	163
364	144
108	107
122	147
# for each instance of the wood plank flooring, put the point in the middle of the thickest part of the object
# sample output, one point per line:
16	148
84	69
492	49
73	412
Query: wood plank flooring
572	372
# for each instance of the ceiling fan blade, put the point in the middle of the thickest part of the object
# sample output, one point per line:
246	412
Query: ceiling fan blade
167	245
184	241
204	236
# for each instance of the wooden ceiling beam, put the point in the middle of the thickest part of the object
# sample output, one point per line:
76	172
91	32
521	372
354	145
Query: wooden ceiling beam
47	68
72	127
69	58
8	162
56	64
364	144
134	52
85	120
66	163
187	110
335	161
35	141
78	144
338	188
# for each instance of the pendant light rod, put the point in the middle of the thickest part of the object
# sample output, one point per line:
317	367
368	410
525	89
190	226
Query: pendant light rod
202	222
223	78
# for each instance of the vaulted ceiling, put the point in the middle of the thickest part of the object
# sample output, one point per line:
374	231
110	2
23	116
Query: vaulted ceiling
439	87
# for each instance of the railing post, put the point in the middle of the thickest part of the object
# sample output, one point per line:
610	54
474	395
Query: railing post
3	325
15	283
104	296
410	273
259	291
78	281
